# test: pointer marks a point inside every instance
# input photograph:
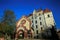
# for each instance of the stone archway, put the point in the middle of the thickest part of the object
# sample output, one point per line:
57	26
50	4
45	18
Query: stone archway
23	25
21	34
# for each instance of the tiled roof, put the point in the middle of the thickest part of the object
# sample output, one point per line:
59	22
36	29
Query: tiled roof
46	10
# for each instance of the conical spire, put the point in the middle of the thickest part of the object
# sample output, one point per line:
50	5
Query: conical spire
34	11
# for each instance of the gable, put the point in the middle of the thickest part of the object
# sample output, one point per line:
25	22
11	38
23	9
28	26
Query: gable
24	22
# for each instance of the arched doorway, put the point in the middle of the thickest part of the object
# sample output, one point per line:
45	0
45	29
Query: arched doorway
21	34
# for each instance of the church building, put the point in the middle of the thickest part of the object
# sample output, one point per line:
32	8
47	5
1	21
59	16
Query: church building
23	28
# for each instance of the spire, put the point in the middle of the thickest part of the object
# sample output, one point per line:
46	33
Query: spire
34	11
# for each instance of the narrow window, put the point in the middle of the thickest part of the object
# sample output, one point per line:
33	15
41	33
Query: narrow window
36	21
40	23
37	36
37	31
36	26
39	14
40	18
41	28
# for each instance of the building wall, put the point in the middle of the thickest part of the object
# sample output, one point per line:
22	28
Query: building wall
23	27
43	21
49	19
26	24
40	20
37	21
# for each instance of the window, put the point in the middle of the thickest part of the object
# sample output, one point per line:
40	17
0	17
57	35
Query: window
48	15
36	21
39	14
37	36
40	18
40	23
29	31
41	28
37	31
36	26
32	17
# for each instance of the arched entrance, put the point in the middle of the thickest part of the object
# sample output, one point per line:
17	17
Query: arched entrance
23	27
21	34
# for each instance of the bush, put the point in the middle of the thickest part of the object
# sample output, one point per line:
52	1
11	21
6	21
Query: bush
1	35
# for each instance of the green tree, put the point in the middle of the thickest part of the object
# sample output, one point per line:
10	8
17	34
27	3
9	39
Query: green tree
0	25
1	30
8	22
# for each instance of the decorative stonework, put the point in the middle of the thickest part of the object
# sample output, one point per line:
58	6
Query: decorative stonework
23	26
37	21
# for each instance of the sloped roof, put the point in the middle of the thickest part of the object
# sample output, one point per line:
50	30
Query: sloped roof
46	10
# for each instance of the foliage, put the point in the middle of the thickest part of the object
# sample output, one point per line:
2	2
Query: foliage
8	22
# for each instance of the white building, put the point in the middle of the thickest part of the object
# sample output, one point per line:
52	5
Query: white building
41	20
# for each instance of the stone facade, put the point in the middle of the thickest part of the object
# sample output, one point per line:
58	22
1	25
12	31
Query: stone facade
39	20
23	28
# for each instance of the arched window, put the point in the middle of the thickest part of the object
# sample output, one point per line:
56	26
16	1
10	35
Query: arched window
48	15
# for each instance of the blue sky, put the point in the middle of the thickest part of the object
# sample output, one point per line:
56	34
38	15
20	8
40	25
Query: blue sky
25	7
